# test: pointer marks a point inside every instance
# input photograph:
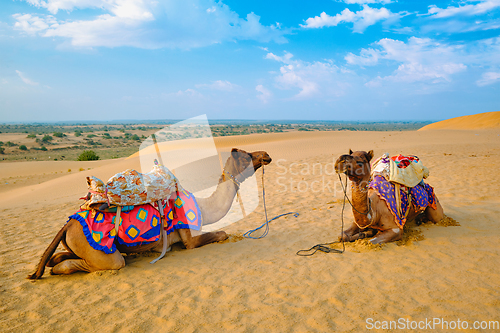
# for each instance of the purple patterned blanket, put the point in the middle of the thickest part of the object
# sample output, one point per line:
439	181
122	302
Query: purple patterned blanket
421	195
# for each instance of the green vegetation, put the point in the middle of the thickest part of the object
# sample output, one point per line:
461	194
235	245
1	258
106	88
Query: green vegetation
23	147
2	150
120	140
88	155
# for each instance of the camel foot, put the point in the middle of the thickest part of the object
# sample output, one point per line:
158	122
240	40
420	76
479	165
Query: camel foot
60	257
386	236
359	235
221	235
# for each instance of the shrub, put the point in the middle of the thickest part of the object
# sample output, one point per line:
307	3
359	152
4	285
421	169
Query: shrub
2	150
78	133
43	148
47	138
31	136
58	134
135	137
23	147
88	155
10	144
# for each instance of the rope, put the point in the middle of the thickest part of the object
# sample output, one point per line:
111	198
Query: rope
324	247
249	233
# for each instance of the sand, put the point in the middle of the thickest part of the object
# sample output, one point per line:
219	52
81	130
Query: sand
486	120
245	285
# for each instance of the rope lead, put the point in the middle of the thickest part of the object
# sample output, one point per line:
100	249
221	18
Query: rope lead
249	233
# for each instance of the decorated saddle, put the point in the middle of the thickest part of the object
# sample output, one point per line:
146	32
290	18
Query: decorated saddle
131	187
140	224
398	180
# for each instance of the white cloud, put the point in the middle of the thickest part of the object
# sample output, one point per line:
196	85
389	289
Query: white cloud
185	93
311	79
482	7
25	79
219	85
420	59
285	59
264	95
149	24
33	24
363	2
488	78
361	19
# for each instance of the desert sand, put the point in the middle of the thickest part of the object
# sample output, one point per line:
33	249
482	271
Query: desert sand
486	120
244	285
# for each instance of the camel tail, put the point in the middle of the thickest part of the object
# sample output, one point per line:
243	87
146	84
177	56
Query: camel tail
48	253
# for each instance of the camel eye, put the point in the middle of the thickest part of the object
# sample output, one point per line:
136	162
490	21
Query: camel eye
360	163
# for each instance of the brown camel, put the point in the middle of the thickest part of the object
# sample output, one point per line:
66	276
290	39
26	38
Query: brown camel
372	217
80	256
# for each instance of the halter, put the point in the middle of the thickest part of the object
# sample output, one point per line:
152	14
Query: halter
231	178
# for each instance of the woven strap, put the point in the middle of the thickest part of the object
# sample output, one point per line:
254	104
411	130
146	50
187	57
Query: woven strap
163	234
117	219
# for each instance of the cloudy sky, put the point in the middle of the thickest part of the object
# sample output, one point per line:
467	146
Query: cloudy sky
368	60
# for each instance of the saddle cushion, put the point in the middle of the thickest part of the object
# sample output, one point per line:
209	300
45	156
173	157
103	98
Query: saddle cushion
405	170
140	225
421	195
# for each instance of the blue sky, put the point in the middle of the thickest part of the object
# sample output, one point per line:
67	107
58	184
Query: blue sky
367	60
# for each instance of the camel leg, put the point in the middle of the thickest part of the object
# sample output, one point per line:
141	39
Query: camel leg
71	266
349	233
191	242
363	234
390	235
435	215
59	257
91	259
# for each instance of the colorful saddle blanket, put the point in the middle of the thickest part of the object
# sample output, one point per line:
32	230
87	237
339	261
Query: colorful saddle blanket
421	195
139	226
405	170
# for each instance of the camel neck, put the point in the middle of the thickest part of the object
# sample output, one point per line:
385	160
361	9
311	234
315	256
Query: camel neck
360	202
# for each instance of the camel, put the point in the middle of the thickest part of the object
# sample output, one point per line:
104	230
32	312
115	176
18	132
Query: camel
80	256
372	217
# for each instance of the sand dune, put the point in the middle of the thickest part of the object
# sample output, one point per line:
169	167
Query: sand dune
261	285
487	120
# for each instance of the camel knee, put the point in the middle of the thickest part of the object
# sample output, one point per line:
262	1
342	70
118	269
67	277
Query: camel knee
386	236
119	263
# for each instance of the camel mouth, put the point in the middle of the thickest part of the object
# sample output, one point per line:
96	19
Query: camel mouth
341	165
266	160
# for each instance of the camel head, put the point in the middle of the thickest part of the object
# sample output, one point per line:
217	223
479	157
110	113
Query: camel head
242	164
356	165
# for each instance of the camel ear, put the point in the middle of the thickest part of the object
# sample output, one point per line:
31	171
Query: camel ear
369	155
235	152
350	152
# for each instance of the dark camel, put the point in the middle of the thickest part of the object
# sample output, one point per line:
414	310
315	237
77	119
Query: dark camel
371	214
